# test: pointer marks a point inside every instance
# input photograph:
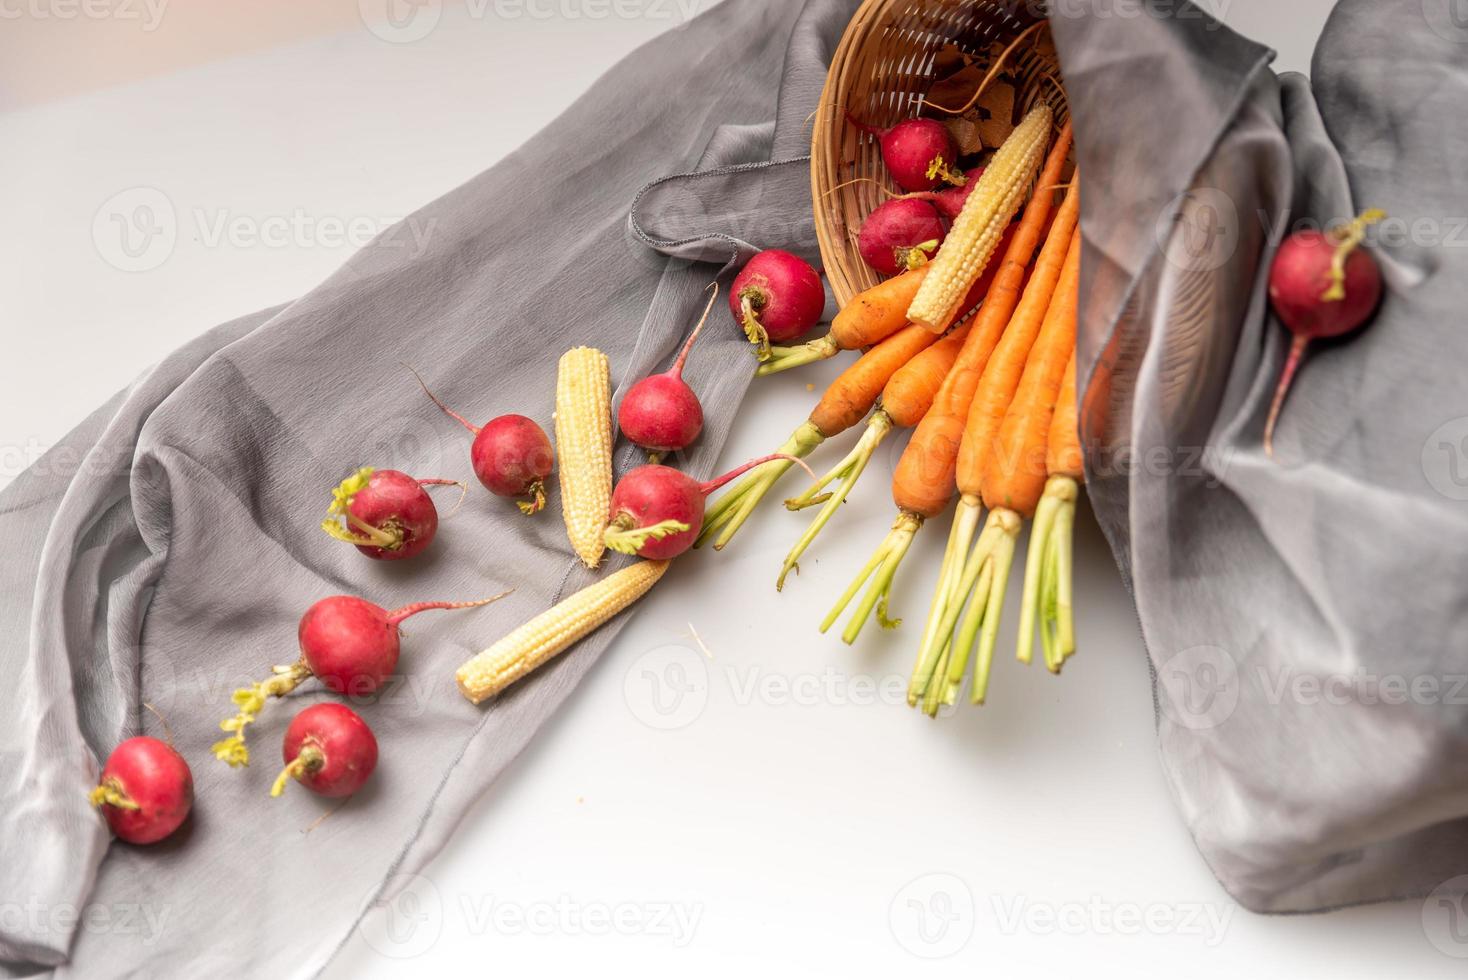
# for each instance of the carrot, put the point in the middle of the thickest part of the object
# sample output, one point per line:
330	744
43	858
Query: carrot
905	400
870	318
843	405
986	410
1047	589
1012	485
923	482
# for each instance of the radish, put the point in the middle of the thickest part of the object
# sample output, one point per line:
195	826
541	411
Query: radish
900	234
349	644
328	749
1322	284
950	200
387	514
657	511
661	413
776	296
917	152
146	790
511	455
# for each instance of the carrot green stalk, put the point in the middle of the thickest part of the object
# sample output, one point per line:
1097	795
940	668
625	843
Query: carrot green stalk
844	404
1047	588
905	400
985	410
877	576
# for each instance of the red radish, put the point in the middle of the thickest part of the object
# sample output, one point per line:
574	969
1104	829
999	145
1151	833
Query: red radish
511	455
387	514
900	234
776	296
919	153
328	749
657	511
1322	284
146	790
950	200
661	413
349	644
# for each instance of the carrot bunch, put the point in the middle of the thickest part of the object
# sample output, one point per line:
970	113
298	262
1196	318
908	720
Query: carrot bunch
924	481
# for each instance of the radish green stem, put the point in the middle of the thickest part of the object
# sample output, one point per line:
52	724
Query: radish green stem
785	358
110	793
629	540
881	570
309	760
727	514
848	471
1348	238
249	701
753	329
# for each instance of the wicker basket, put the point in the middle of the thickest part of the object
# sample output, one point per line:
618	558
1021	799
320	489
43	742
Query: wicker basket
880	72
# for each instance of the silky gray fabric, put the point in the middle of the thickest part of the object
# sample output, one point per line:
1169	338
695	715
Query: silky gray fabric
164	553
1306	617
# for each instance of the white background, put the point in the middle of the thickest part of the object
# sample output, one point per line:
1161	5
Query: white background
785	807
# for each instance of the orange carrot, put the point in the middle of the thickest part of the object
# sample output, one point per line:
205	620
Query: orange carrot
1063	455
855	390
1002	374
1014	476
871	317
923	482
844	404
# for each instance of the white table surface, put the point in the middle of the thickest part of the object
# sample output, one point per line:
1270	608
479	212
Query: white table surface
772	809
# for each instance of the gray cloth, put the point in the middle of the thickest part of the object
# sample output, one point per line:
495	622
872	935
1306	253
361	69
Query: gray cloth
1306	617
164	553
